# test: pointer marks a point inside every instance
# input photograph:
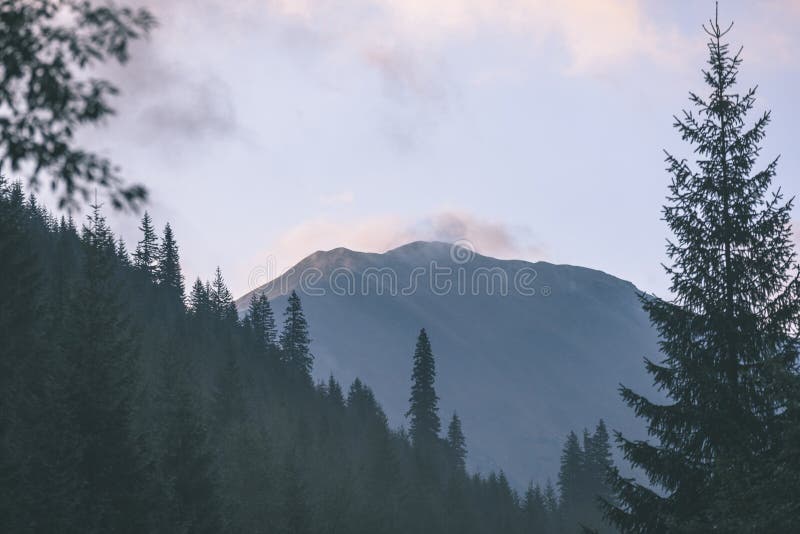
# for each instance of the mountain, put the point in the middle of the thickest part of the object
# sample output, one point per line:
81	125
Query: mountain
525	352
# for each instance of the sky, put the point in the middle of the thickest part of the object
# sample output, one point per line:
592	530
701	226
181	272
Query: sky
268	129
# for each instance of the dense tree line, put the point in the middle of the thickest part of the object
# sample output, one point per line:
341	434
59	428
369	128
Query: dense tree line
129	406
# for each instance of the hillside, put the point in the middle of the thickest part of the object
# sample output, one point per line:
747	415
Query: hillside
523	369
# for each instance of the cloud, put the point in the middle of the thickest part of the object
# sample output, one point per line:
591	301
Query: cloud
382	233
167	96
488	237
189	108
407	41
596	35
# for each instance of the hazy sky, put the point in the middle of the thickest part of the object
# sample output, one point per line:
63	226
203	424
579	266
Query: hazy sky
271	129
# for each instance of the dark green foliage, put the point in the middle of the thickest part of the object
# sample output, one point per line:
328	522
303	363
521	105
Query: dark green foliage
456	443
168	269
122	253
728	336
535	509
146	256
123	411
47	50
295	341
228	402
261	319
199	299
221	300
189	501
102	356
597	468
424	407
334	392
570	476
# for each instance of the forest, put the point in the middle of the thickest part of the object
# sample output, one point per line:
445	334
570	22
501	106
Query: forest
133	400
129	406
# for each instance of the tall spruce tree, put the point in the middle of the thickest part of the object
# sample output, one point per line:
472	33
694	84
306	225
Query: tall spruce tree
122	252
295	341
424	404
534	509
221	299
598	463
456	442
199	299
103	356
570	478
728	335
145	257
168	269
262	321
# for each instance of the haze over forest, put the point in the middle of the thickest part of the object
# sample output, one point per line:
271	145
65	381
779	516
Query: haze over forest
398	267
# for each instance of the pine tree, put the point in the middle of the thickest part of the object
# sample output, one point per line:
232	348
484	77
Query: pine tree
424	409
456	443
335	394
146	255
598	464
35	488
295	341
103	356
534	509
221	300
168	269
199	299
262	321
551	506
728	335
570	478
122	252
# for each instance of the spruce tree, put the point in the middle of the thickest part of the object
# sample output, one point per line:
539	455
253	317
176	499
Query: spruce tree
534	509
570	478
335	395
221	299
122	252
598	464
262	321
424	408
456	443
103	357
145	257
168	269
727	336
28	385
199	299
295	341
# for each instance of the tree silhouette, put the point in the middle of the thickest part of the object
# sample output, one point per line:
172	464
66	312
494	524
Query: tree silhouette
47	50
424	409
729	334
295	341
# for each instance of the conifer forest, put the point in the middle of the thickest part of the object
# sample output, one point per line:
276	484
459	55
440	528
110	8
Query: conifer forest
135	398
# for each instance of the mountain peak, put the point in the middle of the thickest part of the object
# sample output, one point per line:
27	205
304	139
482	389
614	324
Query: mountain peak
421	249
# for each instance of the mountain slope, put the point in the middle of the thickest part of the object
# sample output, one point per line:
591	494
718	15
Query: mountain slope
521	369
